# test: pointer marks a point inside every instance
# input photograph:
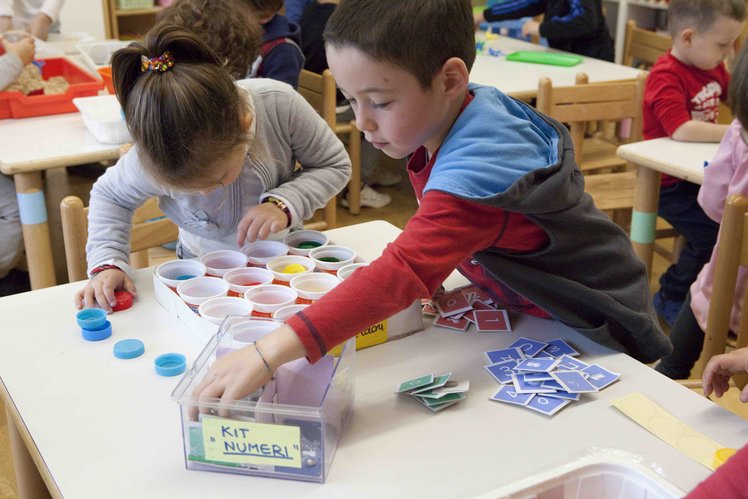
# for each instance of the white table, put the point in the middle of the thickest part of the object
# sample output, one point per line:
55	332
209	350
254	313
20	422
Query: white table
101	427
684	160
29	146
520	79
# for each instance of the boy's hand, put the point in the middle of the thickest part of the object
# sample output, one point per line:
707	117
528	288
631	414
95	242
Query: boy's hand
478	19
39	26
721	368
99	290
23	48
6	22
531	28
259	222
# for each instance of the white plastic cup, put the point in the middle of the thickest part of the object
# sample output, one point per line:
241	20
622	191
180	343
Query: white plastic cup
321	257
346	270
267	299
175	272
278	264
242	280
246	332
259	253
284	313
215	310
297	238
201	289
221	261
313	286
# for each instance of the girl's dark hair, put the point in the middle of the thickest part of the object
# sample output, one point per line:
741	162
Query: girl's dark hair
183	120
738	93
418	36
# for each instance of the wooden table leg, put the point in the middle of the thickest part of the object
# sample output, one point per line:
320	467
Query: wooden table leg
33	210
644	217
30	482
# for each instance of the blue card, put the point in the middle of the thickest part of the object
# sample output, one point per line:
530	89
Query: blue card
559	394
571	364
502	371
508	395
495	356
538	376
547	405
574	382
538	365
529	347
599	376
522	386
559	347
553	384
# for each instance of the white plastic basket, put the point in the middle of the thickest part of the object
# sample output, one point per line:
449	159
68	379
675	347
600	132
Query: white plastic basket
98	53
102	115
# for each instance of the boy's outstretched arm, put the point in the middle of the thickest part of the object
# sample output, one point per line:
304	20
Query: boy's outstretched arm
699	131
582	20
721	368
511	9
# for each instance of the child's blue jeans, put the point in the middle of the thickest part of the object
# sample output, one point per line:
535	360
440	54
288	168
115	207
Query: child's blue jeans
679	207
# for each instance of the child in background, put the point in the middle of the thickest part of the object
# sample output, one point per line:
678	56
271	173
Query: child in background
313	22
38	17
730	479
235	41
500	198
573	26
219	155
281	57
295	8
16	56
727	174
681	101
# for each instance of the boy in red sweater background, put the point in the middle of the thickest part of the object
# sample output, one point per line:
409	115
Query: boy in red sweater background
681	101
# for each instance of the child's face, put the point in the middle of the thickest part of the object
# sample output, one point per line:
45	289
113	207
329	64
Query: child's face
392	109
706	49
227	172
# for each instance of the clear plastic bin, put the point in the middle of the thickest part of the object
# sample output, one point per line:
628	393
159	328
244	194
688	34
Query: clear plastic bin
102	115
289	429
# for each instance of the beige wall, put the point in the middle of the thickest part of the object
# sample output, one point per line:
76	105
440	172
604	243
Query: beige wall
83	15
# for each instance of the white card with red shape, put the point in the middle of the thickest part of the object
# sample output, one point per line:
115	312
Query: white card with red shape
429	310
452	303
492	321
460	324
475	293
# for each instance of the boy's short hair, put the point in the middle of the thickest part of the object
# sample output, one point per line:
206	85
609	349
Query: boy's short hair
236	39
415	35
738	93
264	7
701	14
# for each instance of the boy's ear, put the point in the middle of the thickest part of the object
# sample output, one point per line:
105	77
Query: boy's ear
686	36
454	77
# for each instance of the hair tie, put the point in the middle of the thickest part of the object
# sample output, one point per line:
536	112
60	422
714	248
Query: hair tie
162	63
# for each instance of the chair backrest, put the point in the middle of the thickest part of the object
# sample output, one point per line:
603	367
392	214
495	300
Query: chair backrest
590	102
643	46
150	228
732	254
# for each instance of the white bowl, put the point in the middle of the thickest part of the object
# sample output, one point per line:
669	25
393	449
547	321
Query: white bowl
215	310
240	279
342	254
345	271
201	289
278	264
267	299
313	286
294	239
221	261
175	272
259	253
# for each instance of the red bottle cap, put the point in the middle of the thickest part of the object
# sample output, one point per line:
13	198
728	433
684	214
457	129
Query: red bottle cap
124	301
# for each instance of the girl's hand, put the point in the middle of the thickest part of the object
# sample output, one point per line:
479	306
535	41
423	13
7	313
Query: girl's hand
39	26
23	48
721	368
531	28
259	222
99	291
478	19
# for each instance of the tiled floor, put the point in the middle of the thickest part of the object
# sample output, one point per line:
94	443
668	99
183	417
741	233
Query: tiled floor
59	184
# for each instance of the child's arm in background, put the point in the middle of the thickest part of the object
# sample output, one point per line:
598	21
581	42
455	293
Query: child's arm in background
48	13
581	21
17	55
511	9
284	63
719	175
6	15
721	368
699	131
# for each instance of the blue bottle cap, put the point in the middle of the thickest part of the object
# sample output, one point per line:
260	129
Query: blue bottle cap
170	364
91	318
128	349
98	334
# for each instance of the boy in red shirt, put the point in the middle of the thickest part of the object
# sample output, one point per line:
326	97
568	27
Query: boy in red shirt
681	101
500	198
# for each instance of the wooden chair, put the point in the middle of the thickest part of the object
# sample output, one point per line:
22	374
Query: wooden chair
320	91
732	254
643	47
149	229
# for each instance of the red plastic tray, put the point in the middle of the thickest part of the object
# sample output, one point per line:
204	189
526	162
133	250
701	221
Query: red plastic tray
82	84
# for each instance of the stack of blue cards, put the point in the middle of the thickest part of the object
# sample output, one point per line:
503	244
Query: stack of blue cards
544	377
435	392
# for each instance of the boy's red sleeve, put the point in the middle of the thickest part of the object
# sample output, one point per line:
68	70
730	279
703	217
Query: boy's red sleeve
668	101
729	480
443	232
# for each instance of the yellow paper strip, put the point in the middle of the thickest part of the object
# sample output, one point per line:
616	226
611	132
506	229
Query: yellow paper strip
668	428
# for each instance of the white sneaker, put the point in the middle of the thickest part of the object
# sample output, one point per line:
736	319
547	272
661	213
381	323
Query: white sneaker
370	198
